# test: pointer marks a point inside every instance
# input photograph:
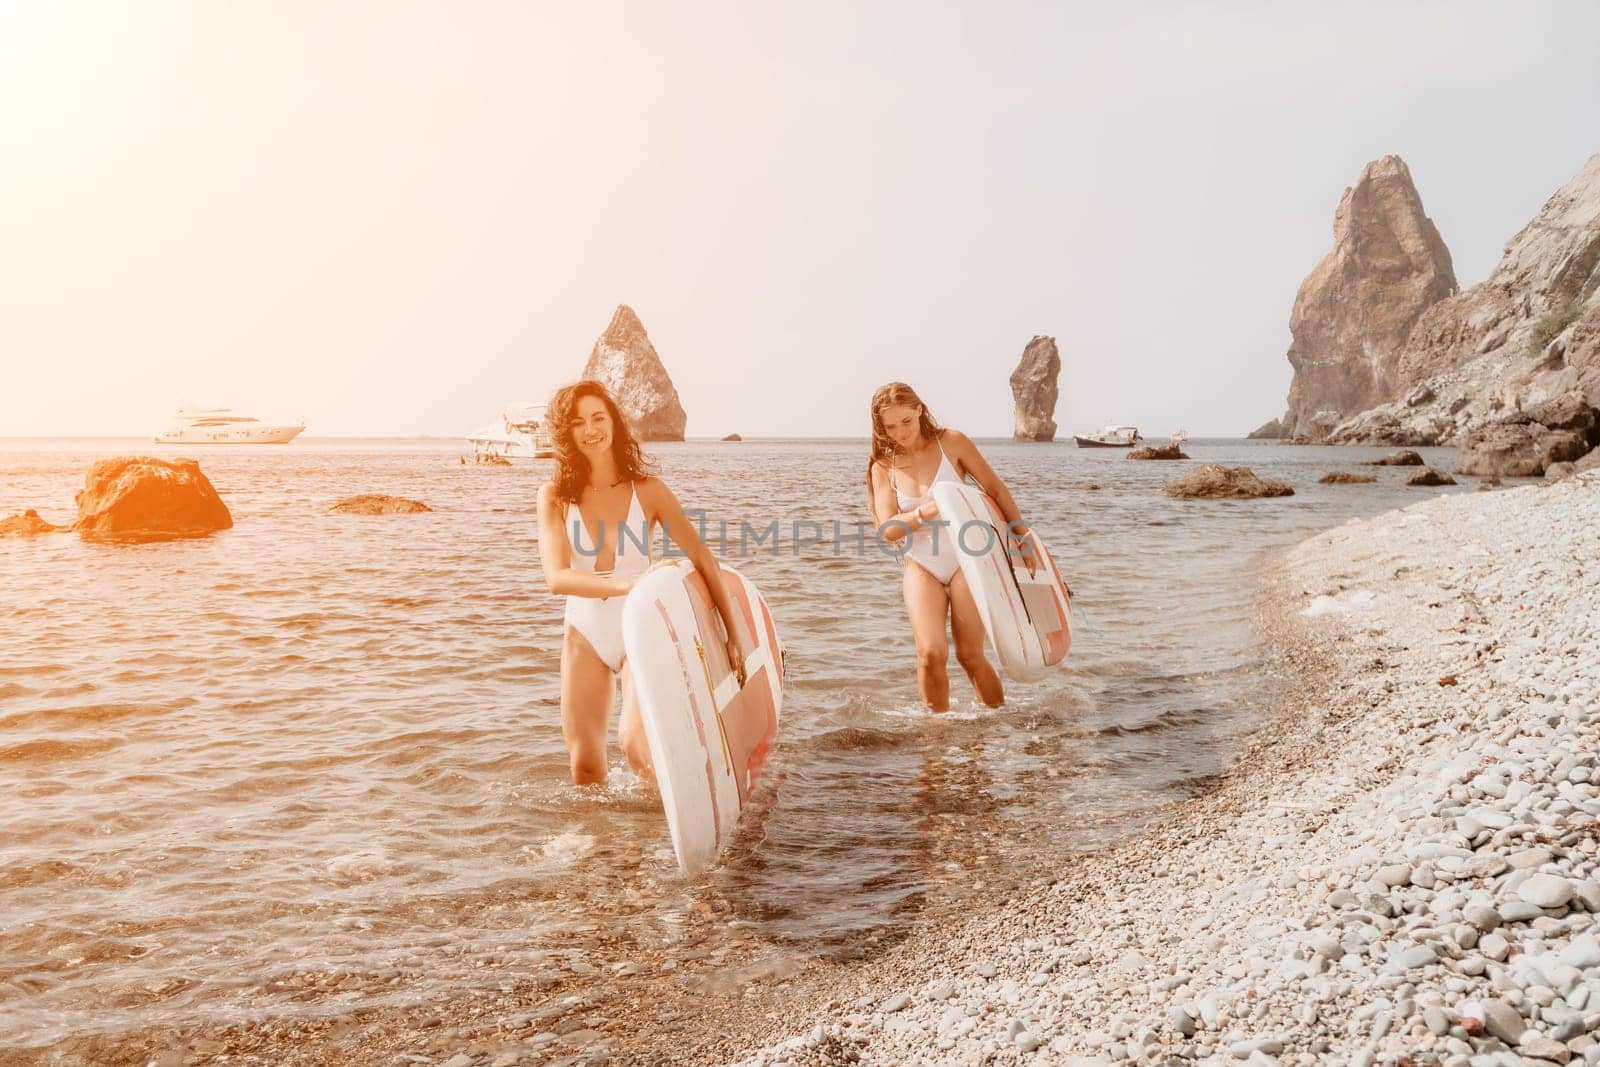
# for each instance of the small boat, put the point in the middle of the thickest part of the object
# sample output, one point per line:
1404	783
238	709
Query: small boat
220	426
518	434
1110	437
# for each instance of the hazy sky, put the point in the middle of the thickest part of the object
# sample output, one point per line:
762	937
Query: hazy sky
392	218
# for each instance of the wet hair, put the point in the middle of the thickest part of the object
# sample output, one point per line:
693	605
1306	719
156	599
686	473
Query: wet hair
572	467
888	396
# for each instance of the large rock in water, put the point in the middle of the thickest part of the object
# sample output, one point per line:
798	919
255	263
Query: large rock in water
141	498
1035	386
1213	480
1271	430
1524	445
1529	333
1354	312
626	363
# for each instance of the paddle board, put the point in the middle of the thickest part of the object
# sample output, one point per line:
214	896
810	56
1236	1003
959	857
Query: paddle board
1028	616
708	736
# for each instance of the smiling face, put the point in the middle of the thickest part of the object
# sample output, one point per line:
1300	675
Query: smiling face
591	427
902	424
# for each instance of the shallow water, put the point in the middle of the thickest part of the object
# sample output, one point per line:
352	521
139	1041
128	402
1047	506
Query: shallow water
314	763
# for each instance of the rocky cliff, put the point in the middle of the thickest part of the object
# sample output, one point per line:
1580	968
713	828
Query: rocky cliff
1035	386
1528	334
626	363
1354	312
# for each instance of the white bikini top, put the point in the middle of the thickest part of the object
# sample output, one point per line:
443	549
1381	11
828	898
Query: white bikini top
946	472
628	559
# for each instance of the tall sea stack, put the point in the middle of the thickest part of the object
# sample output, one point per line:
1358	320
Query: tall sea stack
1354	312
626	363
1035	385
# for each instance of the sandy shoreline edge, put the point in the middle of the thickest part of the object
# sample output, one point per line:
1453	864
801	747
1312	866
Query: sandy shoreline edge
1402	868
1282	918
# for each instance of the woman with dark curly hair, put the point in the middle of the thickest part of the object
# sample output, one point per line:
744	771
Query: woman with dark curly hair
595	519
910	452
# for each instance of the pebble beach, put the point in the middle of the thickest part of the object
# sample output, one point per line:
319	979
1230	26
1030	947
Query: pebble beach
1402	868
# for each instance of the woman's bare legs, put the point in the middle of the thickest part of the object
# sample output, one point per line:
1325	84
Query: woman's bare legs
967	626
927	605
587	688
630	731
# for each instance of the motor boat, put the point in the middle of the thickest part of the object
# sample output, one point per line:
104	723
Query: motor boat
1110	437
519	433
220	426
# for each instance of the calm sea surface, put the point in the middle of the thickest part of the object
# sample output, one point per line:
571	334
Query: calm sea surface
329	745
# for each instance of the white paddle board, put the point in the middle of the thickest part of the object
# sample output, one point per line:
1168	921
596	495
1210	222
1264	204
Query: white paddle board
708	736
1027	615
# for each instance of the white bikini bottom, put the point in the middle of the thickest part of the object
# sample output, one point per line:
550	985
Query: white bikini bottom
600	623
941	563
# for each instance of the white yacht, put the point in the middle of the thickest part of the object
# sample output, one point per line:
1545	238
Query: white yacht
220	426
1110	437
519	433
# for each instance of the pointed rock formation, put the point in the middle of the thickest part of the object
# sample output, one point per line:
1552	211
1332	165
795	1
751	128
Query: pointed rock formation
140	498
1035	386
1529	333
1270	430
625	362
1354	312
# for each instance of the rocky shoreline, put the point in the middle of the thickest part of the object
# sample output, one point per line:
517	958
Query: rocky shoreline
1402	870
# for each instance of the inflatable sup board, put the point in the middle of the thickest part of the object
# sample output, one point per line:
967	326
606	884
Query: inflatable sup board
1028	616
708	737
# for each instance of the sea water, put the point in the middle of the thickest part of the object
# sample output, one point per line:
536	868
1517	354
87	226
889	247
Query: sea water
273	771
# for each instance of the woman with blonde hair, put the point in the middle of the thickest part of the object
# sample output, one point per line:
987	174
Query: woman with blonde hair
910	453
595	519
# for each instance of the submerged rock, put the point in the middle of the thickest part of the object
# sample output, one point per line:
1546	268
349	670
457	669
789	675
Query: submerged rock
1346	478
1035	386
1355	310
141	498
626	363
1170	451
1403	458
378	504
1429	476
27	524
1214	481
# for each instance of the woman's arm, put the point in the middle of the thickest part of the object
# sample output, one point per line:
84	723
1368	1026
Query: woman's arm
961	449
555	556
883	509
660	505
